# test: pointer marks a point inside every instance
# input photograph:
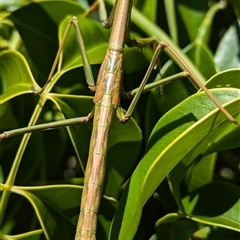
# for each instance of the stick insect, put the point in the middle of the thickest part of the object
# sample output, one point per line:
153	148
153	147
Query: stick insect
107	101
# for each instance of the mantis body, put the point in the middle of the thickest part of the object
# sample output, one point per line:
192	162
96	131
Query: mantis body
107	101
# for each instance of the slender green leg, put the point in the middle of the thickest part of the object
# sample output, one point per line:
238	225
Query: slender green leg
157	83
86	65
81	120
161	46
128	114
134	93
102	11
120	113
47	126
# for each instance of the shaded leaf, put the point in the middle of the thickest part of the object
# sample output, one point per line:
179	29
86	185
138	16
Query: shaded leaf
173	227
195	12
122	139
76	106
53	209
216	204
236	7
201	172
58	214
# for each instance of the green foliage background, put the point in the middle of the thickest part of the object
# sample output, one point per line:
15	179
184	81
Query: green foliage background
162	178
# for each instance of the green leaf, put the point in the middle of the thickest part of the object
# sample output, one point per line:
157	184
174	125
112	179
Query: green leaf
8	120
54	211
57	10
95	38
33	235
40	37
76	106
221	233
195	12
173	227
219	142
227	78
201	172
216	204
204	30
13	4
236	7
228	57
181	131
161	101
16	77
203	59
58	214
96	41
171	18
122	139
121	159
148	8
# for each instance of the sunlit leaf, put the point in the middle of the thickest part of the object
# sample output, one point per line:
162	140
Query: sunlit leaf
228	57
227	78
40	37
33	235
95	38
220	141
16	77
173	138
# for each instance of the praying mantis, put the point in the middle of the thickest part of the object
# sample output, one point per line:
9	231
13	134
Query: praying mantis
107	101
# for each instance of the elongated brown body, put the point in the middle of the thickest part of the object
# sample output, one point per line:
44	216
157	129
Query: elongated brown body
106	99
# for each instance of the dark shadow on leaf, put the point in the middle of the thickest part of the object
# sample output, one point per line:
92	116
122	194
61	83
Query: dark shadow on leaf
166	129
214	199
